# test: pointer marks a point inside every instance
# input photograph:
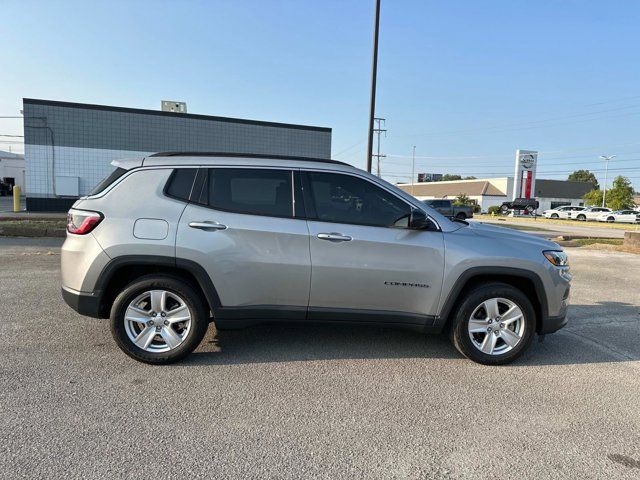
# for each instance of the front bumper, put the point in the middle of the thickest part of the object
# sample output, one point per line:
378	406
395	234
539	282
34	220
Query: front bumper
87	304
551	324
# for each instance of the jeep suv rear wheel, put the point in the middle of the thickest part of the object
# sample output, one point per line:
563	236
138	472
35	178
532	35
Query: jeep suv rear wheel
158	319
494	324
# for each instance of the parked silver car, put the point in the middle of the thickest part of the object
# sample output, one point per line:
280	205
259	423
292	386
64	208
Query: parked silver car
171	242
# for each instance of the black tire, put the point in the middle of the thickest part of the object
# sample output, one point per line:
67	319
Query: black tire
461	216
611	219
194	301
555	216
529	209
459	328
504	208
581	218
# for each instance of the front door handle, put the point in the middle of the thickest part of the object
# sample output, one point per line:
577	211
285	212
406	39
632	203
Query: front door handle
334	237
208	226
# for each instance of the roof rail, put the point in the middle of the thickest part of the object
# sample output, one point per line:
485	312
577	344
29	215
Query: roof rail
245	155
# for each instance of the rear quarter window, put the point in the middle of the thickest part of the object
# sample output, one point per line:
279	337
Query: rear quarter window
180	183
111	178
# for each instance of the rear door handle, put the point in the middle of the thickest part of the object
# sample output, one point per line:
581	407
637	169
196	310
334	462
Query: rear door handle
334	237
208	226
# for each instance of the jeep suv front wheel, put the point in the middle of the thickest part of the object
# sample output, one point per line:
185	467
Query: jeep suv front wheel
158	319
494	324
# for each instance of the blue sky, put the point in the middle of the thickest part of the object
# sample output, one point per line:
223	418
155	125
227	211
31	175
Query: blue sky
467	82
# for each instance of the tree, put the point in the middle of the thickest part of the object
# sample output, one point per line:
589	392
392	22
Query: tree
620	197
448	177
584	176
594	197
462	200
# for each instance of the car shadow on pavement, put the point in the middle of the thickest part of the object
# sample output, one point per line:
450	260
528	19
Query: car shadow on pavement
296	342
580	342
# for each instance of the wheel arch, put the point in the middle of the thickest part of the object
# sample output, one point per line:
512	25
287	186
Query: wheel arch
526	281
121	271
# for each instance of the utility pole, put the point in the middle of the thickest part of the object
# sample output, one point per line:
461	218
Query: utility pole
374	73
606	171
413	169
378	130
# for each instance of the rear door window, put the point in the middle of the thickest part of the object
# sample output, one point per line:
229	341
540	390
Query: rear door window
249	191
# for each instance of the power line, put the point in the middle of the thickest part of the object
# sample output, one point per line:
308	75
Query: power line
349	148
539	172
502	164
540	152
529	124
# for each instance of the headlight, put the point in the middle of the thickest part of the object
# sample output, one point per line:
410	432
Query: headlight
557	257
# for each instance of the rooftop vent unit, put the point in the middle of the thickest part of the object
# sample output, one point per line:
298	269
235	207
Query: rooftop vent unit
176	107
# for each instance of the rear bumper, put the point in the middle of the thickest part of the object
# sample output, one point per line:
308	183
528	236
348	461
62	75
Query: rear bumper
87	304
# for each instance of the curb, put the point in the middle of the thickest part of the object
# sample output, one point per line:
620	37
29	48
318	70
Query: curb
12	231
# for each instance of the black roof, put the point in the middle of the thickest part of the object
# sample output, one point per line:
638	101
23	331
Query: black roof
245	155
91	106
562	188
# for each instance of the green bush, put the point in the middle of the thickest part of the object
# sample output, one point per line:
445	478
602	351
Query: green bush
494	210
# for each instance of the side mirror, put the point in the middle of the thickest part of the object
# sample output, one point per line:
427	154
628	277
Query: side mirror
419	220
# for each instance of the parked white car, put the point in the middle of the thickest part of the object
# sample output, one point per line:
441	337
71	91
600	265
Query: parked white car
591	213
620	216
567	211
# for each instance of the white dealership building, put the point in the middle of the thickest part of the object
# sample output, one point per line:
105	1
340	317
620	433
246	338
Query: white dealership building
487	192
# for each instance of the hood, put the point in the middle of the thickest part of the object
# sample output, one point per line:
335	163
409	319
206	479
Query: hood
509	234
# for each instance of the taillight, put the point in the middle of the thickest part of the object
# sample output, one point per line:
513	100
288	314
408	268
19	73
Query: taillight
81	222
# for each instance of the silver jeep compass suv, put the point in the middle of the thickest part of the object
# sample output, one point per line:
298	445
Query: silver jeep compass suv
170	242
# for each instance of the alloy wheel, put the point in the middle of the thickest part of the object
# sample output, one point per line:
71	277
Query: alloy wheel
496	326
157	321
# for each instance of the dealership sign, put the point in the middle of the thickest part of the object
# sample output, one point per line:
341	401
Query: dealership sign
525	174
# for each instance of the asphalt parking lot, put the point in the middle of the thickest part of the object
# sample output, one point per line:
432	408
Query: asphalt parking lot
301	402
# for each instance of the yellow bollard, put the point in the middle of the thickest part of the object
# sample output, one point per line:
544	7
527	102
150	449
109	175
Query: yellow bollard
16	198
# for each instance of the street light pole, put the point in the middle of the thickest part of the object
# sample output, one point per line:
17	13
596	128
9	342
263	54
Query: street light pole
606	171
413	169
374	73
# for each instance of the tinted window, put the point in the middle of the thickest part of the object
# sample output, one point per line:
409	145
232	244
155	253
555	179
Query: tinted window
251	191
112	177
181	182
348	199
